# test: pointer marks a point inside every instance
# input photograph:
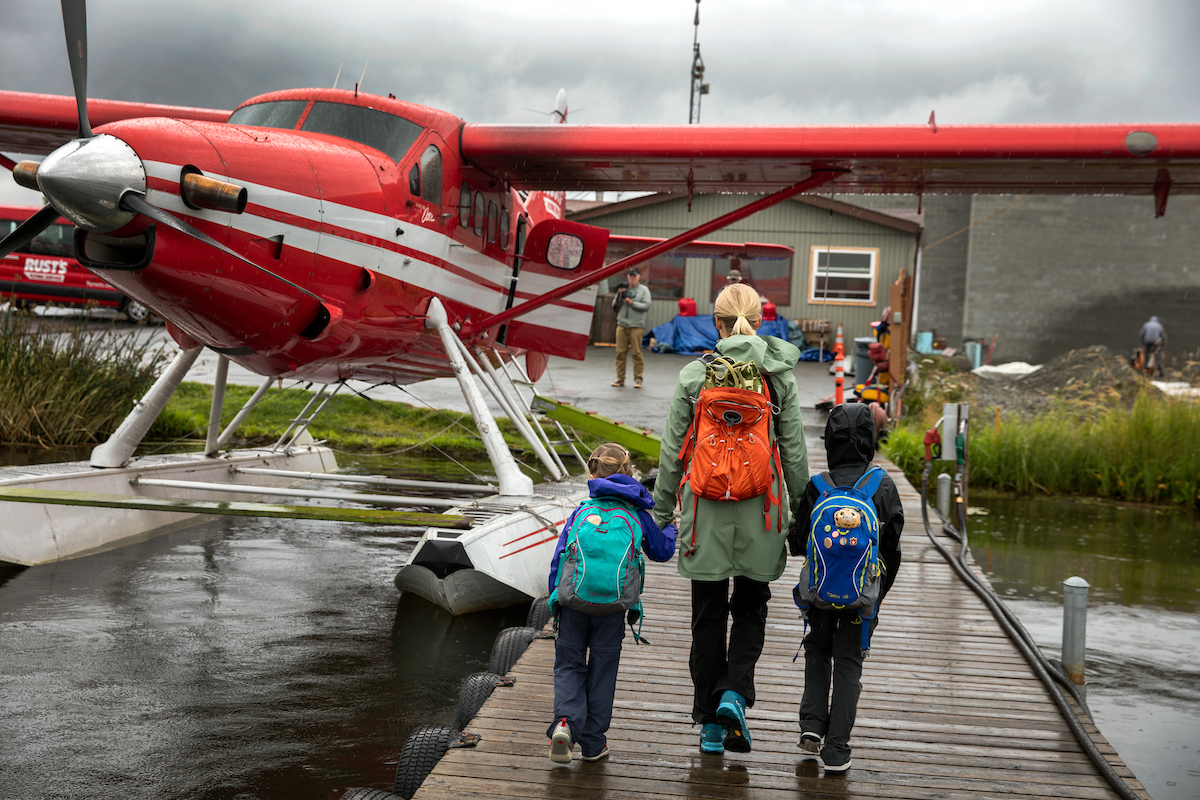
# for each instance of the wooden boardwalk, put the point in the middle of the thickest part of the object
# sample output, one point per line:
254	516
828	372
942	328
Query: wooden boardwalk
949	709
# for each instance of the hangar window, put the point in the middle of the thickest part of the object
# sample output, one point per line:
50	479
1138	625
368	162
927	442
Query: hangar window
464	206
278	114
385	132
770	277
843	276
477	215
431	175
663	275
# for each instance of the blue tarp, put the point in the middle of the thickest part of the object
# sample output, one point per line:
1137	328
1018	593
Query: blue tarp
690	335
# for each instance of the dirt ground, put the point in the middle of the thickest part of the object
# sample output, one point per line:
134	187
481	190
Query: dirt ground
1085	376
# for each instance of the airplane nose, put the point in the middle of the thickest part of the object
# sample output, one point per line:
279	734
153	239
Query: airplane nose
85	179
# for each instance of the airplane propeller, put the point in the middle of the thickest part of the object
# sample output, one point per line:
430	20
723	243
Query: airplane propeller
98	182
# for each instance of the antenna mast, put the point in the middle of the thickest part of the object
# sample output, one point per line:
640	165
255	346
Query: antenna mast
699	87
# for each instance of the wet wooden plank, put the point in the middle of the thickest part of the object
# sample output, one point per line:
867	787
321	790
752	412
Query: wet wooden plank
949	709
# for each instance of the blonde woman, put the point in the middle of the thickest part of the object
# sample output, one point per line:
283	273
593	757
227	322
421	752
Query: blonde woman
730	538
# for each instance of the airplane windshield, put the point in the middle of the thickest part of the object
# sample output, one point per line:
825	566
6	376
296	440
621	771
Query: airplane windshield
279	114
385	132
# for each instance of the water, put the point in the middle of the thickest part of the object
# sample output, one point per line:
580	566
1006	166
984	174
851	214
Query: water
238	659
1143	631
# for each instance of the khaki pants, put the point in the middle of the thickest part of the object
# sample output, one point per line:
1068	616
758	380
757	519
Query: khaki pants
629	339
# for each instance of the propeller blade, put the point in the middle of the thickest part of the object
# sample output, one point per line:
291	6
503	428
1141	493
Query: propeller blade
132	201
75	26
27	230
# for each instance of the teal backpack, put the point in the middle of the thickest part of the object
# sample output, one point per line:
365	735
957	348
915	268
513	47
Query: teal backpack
601	569
842	569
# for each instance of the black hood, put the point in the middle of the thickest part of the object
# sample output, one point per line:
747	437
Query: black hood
850	436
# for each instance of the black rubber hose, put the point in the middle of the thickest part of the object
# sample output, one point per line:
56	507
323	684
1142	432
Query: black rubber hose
1025	644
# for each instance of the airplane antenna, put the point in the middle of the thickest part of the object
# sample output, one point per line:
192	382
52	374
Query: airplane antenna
339	75
364	75
699	87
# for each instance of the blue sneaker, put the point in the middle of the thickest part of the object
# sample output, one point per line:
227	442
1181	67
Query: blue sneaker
732	714
712	738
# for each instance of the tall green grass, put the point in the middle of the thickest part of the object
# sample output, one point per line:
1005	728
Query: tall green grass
1149	453
61	384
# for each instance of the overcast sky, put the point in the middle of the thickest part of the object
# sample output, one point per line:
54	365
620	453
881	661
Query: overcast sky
768	61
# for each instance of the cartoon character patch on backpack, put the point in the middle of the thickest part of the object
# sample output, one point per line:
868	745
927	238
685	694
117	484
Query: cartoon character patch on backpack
842	570
601	569
731	451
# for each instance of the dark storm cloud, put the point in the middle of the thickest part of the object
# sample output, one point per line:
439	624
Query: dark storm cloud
861	61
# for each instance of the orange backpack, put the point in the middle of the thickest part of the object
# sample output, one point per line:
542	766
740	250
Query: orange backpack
732	452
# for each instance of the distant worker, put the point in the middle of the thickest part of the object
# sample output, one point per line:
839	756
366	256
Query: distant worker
609	531
632	304
1154	340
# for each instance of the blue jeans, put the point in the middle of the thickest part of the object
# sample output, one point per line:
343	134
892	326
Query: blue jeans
584	688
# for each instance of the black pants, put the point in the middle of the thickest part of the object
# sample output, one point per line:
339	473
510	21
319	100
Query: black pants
714	668
832	654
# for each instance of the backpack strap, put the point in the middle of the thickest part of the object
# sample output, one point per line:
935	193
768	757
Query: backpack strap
873	477
822	483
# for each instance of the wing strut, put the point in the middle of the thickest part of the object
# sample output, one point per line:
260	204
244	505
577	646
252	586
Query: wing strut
816	179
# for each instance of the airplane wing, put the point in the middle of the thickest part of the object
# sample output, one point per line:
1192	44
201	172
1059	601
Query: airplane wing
39	123
877	159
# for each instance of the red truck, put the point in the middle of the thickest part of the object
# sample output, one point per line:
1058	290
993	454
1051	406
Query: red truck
46	272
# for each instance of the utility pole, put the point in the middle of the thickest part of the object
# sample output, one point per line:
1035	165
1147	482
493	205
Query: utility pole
699	87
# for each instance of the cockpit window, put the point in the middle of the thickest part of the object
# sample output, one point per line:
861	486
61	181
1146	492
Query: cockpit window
278	114
385	132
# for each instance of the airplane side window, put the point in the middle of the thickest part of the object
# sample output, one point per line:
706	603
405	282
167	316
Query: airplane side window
385	132
477	216
282	114
522	224
414	181
464	206
504	229
431	168
493	221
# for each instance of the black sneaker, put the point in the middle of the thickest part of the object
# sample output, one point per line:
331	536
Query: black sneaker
837	769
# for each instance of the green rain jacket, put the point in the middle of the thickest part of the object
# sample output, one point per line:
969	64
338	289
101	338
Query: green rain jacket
731	537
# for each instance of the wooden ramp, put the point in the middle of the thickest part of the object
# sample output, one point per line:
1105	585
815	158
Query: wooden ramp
949	709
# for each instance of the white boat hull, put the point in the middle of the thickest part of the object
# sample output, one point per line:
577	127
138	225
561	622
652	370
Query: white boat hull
502	561
37	533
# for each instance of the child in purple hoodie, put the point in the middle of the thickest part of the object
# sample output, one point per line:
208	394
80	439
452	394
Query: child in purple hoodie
584	689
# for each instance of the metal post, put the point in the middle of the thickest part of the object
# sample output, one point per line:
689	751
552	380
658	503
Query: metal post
944	482
118	449
246	409
512	481
217	407
1075	592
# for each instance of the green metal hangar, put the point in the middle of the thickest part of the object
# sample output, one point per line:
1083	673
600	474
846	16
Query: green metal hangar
840	269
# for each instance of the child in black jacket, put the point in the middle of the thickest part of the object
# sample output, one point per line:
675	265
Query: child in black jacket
834	638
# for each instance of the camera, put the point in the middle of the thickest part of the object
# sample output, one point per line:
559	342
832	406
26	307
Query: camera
619	297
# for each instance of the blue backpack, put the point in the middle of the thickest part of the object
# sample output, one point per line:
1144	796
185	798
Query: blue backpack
601	569
842	569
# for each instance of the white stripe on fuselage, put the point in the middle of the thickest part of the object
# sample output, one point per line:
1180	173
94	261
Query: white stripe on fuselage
413	270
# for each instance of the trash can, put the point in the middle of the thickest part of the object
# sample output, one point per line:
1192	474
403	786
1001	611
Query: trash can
862	358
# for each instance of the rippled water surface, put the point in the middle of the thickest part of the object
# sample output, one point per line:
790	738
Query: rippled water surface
238	659
1143	632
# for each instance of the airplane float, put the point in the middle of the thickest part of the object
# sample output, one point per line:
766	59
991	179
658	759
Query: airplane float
328	235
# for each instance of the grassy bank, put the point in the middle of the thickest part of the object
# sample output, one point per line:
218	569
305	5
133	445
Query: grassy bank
1148	452
66	385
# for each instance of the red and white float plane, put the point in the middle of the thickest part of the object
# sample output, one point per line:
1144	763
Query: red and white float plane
329	235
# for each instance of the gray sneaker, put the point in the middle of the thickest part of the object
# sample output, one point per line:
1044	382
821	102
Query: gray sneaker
837	769
561	743
809	742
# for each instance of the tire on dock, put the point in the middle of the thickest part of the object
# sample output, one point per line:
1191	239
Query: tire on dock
539	613
509	645
368	794
424	747
475	691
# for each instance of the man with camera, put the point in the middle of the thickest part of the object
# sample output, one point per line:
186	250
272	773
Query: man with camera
631	304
